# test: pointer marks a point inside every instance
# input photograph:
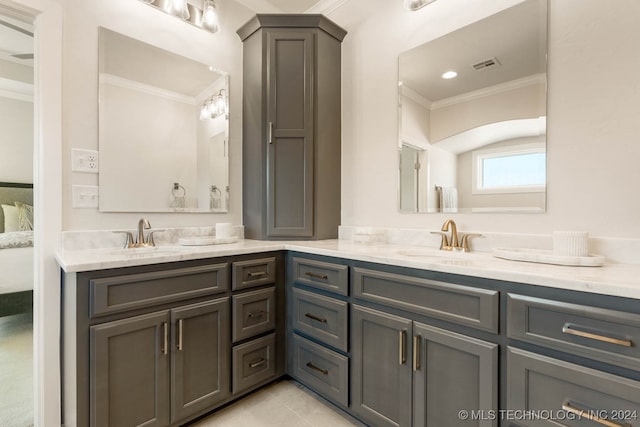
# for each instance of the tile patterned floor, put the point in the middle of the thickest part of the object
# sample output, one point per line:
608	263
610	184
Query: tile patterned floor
282	404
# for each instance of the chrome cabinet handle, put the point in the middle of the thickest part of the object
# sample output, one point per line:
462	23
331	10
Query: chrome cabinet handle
180	322
417	339
591	416
316	318
402	344
256	314
270	132
570	329
316	275
315	368
165	341
257	363
257	273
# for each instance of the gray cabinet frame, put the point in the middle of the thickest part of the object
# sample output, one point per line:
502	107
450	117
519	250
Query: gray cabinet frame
291	126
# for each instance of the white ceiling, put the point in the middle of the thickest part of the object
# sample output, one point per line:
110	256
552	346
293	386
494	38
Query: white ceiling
515	36
293	6
16	38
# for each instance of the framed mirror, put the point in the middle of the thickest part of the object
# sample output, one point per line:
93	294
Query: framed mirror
163	130
472	116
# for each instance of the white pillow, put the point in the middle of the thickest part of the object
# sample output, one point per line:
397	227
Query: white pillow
11	218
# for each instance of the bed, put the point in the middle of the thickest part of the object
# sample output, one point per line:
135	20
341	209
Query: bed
16	248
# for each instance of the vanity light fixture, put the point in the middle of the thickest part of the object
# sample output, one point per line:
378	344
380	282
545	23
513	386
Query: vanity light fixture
215	106
204	17
416	4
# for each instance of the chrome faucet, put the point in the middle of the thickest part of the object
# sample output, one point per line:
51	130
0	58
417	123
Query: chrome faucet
141	242
451	243
143	224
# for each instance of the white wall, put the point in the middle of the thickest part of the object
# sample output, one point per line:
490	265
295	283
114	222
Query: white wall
594	93
80	93
16	140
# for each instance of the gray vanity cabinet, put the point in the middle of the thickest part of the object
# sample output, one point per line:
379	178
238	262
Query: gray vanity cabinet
408	373
199	357
131	383
291	126
381	367
129	372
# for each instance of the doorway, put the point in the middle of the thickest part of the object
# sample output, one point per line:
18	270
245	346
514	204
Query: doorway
16	221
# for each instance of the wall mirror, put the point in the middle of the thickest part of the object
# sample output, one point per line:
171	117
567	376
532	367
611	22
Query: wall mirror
474	140
163	130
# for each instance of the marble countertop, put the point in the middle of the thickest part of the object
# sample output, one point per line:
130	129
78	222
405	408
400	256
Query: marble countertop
611	279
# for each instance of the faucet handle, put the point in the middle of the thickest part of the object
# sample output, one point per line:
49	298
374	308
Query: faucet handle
150	241
464	241
128	240
444	242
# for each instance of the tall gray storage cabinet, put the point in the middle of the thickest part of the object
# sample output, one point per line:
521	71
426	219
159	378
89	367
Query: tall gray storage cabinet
291	127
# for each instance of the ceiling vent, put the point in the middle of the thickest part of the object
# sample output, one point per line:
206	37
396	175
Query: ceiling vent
487	63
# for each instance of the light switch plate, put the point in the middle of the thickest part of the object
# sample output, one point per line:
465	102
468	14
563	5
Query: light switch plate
84	160
84	196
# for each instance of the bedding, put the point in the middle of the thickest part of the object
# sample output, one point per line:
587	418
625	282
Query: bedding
16	248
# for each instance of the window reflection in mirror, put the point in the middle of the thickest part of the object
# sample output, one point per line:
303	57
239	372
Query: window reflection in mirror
495	104
163	130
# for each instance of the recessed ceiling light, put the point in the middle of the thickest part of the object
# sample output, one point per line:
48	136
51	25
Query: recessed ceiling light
449	75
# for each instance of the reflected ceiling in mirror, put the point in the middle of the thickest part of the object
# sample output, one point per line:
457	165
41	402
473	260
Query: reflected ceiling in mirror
476	142
163	136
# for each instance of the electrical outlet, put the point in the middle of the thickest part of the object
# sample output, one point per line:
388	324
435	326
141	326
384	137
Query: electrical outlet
84	196
84	160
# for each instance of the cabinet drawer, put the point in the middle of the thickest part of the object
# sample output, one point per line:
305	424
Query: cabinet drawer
131	291
255	272
540	383
475	307
609	336
253	362
321	317
321	369
322	275
253	313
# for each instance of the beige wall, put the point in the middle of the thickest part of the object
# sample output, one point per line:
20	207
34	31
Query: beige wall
16	140
594	93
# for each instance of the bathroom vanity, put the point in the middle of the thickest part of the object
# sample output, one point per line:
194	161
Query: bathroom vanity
393	339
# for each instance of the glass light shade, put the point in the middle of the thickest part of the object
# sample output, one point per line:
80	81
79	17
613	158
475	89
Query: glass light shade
204	112
209	16
416	4
178	8
211	108
221	104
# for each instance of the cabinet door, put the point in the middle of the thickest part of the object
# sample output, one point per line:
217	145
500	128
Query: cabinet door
290	166
452	373
129	372
200	367
381	367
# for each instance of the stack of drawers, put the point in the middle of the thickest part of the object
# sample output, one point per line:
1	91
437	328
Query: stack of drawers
319	323
253	322
590	396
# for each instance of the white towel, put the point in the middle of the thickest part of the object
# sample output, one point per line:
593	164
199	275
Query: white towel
448	199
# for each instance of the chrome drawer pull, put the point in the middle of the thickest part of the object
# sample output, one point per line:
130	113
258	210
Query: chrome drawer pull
571	330
316	318
315	368
316	275
591	416
257	363
165	345
257	273
416	352
402	344
257	314
180	322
